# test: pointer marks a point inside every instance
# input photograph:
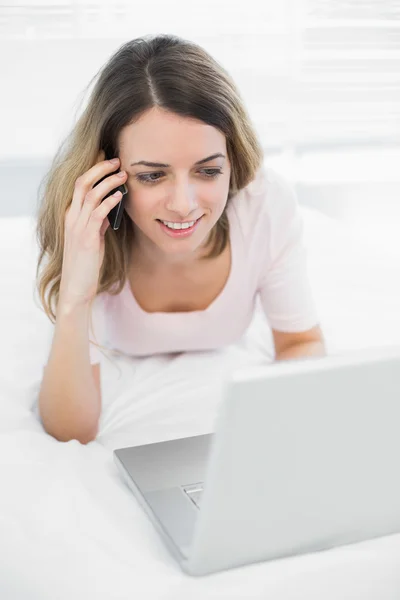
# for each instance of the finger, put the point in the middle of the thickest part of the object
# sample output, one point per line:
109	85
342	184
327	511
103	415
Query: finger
86	181
99	217
104	227
97	196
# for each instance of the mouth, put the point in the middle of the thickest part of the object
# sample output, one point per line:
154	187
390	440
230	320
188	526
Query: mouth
181	232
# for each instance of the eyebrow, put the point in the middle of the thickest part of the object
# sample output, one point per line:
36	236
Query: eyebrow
155	164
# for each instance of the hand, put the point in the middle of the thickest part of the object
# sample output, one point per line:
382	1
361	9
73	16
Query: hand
86	223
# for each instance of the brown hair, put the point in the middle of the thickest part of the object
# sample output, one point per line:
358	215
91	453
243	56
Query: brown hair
162	71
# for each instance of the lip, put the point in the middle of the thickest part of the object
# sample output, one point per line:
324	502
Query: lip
179	233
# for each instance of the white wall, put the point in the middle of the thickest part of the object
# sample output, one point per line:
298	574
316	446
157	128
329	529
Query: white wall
320	81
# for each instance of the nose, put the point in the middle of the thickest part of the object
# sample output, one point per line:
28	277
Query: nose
182	200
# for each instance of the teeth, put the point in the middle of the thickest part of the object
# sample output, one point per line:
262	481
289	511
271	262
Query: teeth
178	225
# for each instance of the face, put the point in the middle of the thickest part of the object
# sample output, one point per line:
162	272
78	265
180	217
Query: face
180	190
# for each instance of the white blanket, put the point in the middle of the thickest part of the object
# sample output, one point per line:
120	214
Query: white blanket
69	526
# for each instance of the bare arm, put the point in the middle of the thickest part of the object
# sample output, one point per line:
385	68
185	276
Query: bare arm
70	395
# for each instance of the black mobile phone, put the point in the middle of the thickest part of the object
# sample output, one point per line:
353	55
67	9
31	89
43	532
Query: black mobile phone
115	214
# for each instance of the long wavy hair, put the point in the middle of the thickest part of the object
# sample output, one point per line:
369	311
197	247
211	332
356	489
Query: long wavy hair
152	71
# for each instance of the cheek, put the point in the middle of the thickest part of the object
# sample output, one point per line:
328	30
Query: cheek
218	204
217	198
139	204
215	194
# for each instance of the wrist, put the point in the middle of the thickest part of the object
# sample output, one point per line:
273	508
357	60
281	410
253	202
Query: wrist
67	307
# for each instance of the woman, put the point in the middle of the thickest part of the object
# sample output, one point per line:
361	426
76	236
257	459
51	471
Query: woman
205	230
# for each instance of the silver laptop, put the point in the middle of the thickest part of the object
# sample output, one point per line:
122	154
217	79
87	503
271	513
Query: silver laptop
304	457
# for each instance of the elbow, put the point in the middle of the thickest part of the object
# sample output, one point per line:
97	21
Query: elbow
82	438
86	439
91	437
67	434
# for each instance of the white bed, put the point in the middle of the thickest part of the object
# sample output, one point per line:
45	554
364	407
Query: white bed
70	528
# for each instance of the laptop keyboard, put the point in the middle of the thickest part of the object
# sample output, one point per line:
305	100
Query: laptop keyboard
194	491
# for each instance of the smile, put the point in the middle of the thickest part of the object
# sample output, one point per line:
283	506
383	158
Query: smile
179	229
174	225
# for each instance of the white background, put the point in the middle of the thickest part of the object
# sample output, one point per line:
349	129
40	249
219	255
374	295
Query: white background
320	79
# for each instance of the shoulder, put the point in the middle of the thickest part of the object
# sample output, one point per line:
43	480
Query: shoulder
266	204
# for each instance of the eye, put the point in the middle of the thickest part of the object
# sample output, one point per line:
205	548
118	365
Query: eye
214	173
147	178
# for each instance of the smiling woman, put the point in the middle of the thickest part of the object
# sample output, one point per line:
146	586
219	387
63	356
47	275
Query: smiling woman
206	227
189	190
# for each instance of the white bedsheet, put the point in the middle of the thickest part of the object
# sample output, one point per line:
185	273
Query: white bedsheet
70	528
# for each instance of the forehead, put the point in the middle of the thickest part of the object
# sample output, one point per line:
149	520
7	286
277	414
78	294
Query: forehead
162	135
